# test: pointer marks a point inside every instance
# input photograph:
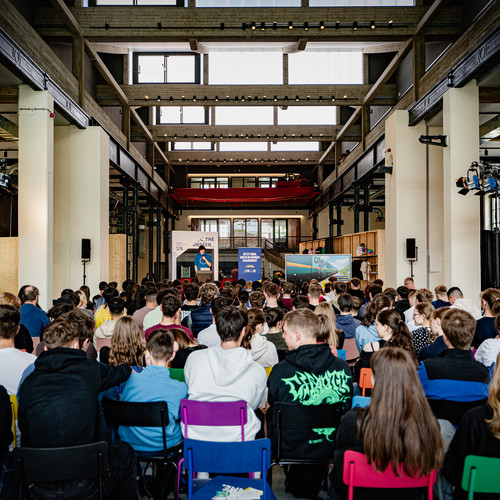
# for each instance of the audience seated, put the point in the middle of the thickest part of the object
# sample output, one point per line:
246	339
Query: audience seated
154	384
329	332
488	351
314	294
192	292
402	303
209	336
477	434
262	351
274	319
139	315
416	297
202	317
485	326
438	346
23	338
366	332
354	288
457	301
116	308
226	373
309	375
58	406
13	362
422	335
345	321
184	347
33	318
396	428
8	490
171	316
455	382
441	297
154	317
102	313
286	299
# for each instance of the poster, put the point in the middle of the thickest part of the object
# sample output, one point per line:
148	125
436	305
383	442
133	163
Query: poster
305	267
249	264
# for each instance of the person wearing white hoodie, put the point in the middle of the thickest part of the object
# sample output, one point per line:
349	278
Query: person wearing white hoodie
226	373
457	301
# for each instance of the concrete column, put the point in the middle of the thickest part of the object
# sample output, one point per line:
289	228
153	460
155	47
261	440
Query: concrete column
405	199
81	206
36	162
461	213
434	160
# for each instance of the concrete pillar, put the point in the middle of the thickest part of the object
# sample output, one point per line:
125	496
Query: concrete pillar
81	206
461	213
405	199
36	162
434	160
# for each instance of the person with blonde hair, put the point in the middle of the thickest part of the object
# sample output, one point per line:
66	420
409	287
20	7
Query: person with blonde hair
127	344
332	335
398	427
23	339
477	434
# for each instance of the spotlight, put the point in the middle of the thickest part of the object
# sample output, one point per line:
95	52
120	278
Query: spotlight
372	25
159	98
337	25
159	26
253	26
322	25
275	26
262	26
106	25
463	184
290	25
194	98
275	98
355	25
333	98
297	98
320	99
216	98
222	26
171	99
306	26
146	97
390	24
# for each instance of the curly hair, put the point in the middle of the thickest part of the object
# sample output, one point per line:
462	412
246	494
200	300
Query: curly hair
127	343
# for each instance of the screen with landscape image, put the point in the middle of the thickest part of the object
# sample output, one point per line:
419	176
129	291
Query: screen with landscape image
305	267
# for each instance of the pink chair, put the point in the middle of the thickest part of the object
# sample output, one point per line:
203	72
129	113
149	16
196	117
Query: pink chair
351	351
211	413
358	472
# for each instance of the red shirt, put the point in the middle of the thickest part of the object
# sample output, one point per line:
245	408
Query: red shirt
159	326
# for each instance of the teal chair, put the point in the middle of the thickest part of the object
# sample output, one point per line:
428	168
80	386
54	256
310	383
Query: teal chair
481	475
177	374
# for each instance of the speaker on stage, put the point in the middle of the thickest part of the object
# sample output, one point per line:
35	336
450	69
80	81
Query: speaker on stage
85	249
411	249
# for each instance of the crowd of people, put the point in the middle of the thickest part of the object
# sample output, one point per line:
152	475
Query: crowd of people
434	358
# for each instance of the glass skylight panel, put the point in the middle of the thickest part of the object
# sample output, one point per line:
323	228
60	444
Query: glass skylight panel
295	146
326	67
243	146
244	115
248	3
151	69
307	115
246	68
192	146
156	2
181	69
361	3
182	114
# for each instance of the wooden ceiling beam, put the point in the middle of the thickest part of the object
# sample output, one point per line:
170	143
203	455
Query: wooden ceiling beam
141	23
381	49
69	19
104	48
9	95
226	95
427	19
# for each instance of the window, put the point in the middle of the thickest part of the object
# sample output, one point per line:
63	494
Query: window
307	115
192	146
252	233
326	67
93	3
167	68
208	182
244	115
208	225
224	233
196	182
265	182
243	146
361	3
246	68
266	229
247	3
295	146
182	115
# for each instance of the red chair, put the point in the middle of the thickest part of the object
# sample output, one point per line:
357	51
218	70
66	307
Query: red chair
365	380
358	472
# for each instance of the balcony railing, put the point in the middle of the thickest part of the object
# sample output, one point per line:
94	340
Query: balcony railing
289	243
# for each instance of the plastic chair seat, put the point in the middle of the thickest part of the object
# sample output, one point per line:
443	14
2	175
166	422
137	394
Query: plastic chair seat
204	490
361	401
481	475
358	472
365	380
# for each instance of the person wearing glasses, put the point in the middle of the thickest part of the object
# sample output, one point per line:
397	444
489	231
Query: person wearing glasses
423	335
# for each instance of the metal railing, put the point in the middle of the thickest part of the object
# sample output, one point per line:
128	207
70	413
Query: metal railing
287	244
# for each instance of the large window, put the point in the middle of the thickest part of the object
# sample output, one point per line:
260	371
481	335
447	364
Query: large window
208	182
246	68
307	115
247	3
179	3
191	146
243	146
182	115
326	67
244	115
295	146
167	68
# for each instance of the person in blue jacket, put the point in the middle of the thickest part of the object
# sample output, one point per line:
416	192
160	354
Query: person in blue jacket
202	261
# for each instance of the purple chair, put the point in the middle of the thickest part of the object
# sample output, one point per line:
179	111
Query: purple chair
213	414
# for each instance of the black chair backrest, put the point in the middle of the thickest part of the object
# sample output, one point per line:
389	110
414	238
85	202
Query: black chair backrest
153	414
34	465
305	433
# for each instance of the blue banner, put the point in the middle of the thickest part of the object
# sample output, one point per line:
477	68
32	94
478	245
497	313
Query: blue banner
250	264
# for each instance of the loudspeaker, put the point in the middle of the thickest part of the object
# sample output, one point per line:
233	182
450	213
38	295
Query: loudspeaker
85	249
411	252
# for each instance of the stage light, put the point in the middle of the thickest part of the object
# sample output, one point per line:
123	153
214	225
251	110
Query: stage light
322	25
216	98
253	26
355	25
372	25
290	25
390	23
464	185
297	98
275	26
171	99
262	26
306	26
337	25
159	98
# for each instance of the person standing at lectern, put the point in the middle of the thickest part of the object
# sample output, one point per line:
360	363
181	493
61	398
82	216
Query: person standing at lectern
202	261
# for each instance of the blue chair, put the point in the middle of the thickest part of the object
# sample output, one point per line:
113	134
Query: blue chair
227	458
341	353
361	401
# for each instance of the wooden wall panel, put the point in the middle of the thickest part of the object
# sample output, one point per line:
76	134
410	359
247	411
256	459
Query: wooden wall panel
117	258
9	267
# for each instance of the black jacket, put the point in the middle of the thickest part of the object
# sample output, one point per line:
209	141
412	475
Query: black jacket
201	318
58	402
6	436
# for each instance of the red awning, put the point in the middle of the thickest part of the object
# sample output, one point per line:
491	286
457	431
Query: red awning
245	195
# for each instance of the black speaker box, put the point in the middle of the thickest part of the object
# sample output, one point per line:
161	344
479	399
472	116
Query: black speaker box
85	249
411	252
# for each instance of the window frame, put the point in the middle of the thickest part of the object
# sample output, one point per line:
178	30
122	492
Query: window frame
197	67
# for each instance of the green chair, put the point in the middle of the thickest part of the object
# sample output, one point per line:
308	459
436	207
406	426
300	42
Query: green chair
481	475
177	374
